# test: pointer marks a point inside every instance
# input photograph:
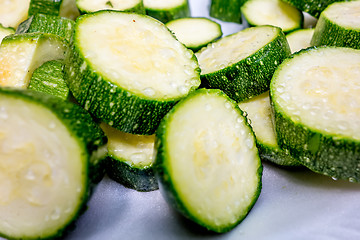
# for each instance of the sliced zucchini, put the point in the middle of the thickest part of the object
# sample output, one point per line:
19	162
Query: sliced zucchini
21	54
300	39
69	9
5	31
136	76
49	7
207	161
13	12
63	27
316	98
87	6
49	78
272	12
48	150
195	33
167	10
313	7
258	110
338	25
227	10
242	64
131	159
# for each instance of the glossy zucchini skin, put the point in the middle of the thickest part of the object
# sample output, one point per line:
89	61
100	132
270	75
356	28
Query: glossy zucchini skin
250	76
227	10
88	134
50	7
139	8
166	15
164	176
314	8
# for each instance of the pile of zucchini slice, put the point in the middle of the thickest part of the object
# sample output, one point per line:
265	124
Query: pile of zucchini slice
125	89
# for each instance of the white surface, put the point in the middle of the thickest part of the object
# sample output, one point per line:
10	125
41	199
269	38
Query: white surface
292	205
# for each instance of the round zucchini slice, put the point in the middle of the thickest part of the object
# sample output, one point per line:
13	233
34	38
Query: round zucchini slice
168	10
207	160
130	159
313	7
243	63
338	25
51	153
300	39
128	69
12	13
316	98
88	6
226	10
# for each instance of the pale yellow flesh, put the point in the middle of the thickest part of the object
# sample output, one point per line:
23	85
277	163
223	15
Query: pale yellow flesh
259	113
69	9
163	4
213	160
300	39
194	31
322	90
136	150
19	59
13	12
96	5
41	170
139	54
345	14
272	12
231	49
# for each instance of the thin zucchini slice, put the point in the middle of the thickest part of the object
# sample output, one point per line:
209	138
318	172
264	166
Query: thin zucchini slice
87	6
300	39
313	7
68	9
49	7
258	110
242	64
167	10
49	149
137	75
316	98
195	33
49	78
338	25
43	23
131	159
13	12
227	10
21	54
207	160
5	31
272	12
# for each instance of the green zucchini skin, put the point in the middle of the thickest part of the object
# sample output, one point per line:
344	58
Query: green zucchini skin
331	156
250	76
50	7
324	34
227	10
164	176
166	15
139	179
314	8
89	135
60	26
139	8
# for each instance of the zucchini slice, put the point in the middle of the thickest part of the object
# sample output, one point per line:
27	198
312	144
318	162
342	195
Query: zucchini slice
167	10
316	98
313	7
242	64
43	23
227	10
130	160
136	76
338	25
48	150
49	78
207	160
87	6
68	9
272	12
5	31
13	12
195	33
258	111
300	39
49	7
21	54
